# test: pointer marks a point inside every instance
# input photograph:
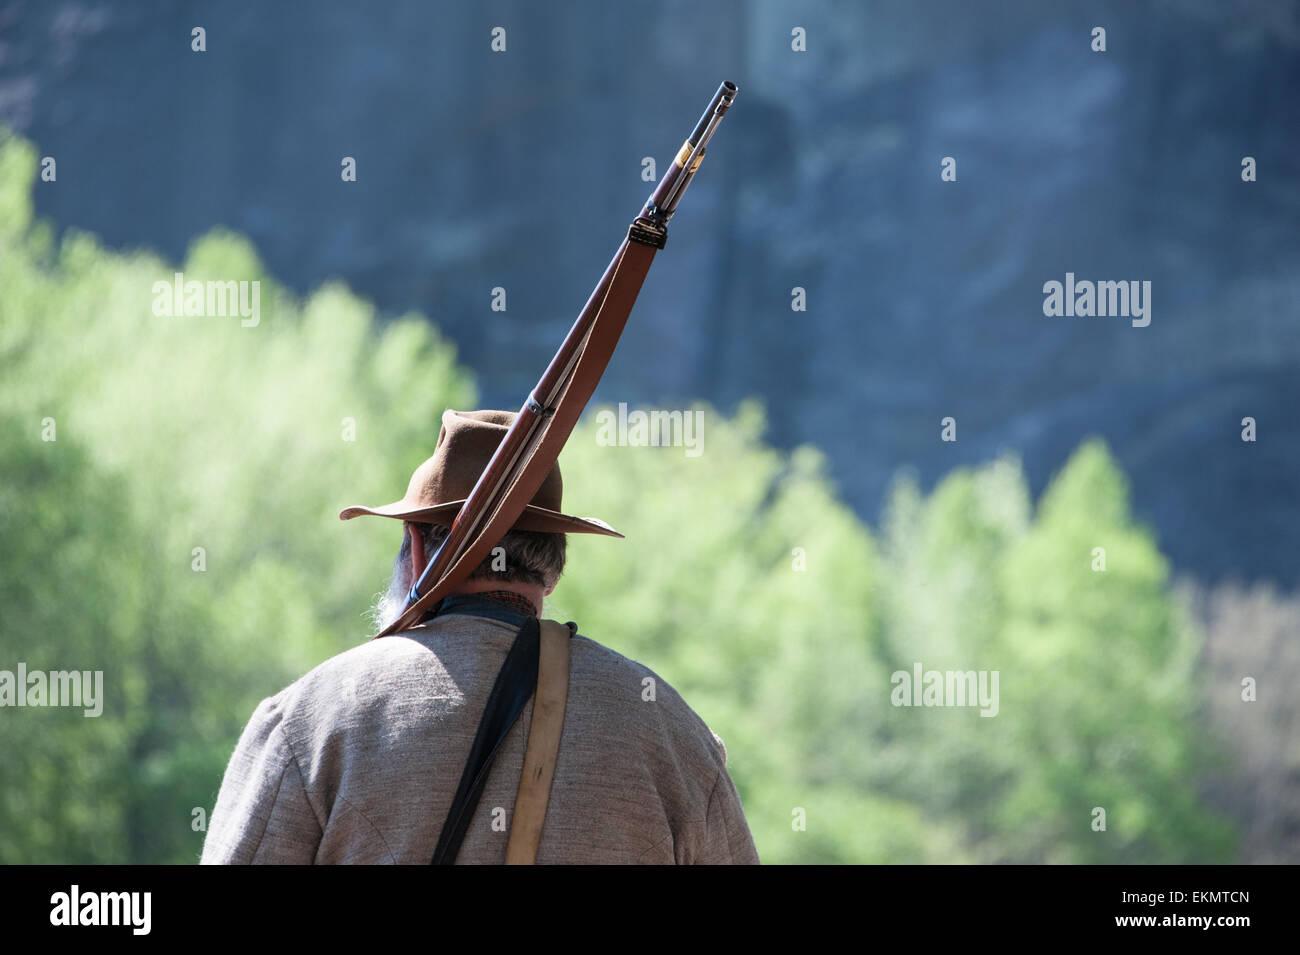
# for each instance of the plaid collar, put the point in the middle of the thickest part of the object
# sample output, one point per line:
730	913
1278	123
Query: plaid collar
516	601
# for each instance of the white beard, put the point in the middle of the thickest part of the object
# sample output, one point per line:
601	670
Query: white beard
393	601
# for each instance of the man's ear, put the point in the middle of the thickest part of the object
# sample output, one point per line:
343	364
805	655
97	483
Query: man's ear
418	557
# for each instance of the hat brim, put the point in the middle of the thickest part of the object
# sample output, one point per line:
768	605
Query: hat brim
534	518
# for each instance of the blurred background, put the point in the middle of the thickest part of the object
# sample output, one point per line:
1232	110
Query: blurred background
169	484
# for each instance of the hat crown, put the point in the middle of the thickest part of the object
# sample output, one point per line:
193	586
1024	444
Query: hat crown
466	443
441	485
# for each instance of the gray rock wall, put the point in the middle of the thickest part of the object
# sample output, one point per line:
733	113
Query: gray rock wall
521	169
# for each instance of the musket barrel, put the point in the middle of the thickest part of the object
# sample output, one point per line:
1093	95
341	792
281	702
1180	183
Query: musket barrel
663	201
721	102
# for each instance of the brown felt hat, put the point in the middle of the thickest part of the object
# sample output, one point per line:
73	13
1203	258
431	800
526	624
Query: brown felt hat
441	484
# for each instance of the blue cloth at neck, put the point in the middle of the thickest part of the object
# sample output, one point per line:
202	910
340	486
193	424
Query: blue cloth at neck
479	606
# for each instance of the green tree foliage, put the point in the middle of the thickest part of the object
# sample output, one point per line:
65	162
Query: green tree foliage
744	582
1096	669
177	433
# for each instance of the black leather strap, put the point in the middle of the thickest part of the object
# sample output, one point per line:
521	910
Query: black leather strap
514	686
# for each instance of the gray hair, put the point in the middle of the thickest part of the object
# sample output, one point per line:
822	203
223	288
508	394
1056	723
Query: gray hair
528	557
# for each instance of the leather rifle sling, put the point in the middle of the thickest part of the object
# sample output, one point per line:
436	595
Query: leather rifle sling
543	744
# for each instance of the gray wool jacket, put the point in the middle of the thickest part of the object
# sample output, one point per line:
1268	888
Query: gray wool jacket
358	761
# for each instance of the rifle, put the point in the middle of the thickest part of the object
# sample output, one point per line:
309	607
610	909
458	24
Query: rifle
553	407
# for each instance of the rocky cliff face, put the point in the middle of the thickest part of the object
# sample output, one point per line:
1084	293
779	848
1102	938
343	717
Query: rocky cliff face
519	169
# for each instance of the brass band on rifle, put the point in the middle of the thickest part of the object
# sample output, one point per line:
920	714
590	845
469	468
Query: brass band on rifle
684	153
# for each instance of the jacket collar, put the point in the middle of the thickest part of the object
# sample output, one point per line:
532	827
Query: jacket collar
480	605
